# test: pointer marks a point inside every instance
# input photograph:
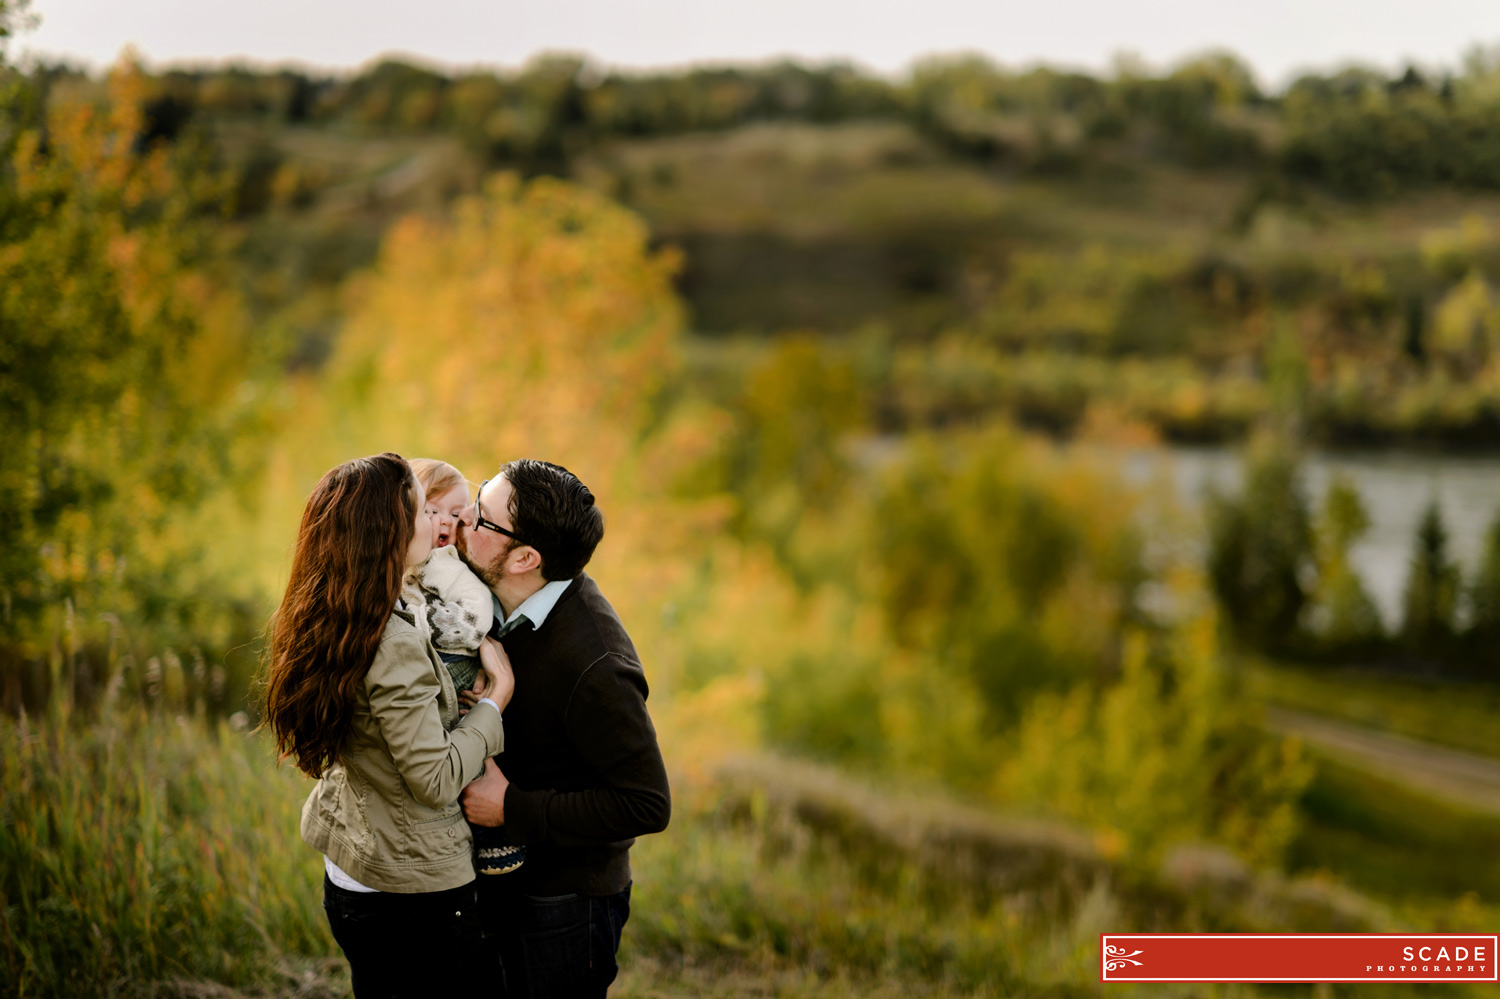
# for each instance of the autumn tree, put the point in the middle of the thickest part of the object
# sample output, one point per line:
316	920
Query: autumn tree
117	362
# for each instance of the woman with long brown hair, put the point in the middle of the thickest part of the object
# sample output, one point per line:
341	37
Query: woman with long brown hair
358	698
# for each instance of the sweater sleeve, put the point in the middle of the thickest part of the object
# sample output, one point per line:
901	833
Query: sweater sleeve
434	762
607	722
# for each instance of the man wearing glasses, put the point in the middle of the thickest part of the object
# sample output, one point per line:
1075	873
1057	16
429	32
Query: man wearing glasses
581	775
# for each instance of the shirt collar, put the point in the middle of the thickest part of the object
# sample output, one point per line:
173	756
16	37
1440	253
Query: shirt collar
537	606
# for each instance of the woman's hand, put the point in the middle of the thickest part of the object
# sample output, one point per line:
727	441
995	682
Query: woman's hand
499	683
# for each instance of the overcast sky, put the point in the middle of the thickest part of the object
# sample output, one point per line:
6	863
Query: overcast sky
1278	37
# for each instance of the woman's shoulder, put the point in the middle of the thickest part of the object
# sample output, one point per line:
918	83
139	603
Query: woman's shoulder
403	659
402	638
403	621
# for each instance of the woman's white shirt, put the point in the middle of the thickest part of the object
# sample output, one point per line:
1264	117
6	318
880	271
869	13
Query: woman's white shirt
338	877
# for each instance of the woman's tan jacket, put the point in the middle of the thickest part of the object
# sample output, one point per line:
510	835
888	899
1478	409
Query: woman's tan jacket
387	813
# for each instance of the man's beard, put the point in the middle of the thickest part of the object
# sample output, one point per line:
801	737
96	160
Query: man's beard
490	574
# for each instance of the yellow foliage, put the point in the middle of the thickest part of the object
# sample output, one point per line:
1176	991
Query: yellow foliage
1168	754
534	322
1468	320
1453	250
531	322
124	362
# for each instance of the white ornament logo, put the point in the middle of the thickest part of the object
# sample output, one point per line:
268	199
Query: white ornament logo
1116	958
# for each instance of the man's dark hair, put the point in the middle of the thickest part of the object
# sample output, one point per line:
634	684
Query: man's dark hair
555	513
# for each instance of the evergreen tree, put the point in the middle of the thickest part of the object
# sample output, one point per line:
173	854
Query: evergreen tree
1432	587
1260	544
1484	595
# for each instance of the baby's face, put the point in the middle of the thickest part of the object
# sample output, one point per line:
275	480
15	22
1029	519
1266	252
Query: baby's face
445	510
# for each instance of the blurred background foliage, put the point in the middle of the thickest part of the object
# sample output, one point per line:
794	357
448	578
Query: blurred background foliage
854	365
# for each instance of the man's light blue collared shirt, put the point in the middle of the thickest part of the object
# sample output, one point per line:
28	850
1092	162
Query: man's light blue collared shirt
534	608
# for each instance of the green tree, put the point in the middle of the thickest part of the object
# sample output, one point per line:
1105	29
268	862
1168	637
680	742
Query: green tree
1017	576
1484	593
1344	613
1260	546
1432	587
786	456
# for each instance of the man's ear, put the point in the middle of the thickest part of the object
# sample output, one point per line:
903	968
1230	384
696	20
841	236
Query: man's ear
527	559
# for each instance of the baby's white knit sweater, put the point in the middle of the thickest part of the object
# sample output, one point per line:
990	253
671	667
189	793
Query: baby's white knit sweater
459	606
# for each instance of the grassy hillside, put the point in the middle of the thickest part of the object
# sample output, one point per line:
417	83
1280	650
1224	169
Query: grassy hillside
1462	715
1393	841
179	861
826	191
1135	292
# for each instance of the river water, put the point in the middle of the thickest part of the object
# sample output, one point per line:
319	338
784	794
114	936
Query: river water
1396	487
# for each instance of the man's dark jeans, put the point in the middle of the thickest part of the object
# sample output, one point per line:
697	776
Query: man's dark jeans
411	945
555	947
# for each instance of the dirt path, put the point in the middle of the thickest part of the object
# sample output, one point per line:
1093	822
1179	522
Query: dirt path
1465	779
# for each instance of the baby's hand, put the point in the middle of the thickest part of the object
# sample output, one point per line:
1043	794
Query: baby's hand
471	697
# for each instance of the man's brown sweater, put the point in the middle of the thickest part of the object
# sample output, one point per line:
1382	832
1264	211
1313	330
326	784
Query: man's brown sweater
586	775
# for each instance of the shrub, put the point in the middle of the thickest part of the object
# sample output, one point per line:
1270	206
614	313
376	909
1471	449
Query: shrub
1005	570
1170	753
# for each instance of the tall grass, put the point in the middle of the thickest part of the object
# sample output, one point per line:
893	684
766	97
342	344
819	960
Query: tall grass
151	848
148	847
146	852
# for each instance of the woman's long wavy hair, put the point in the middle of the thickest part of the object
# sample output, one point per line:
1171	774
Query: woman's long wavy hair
346	576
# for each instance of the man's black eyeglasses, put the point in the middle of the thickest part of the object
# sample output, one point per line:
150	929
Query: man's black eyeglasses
479	520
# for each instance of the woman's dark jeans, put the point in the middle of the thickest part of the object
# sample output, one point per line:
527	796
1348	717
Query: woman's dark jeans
417	945
556	946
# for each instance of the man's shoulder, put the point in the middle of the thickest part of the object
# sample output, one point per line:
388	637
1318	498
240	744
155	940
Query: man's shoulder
585	592
586	619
